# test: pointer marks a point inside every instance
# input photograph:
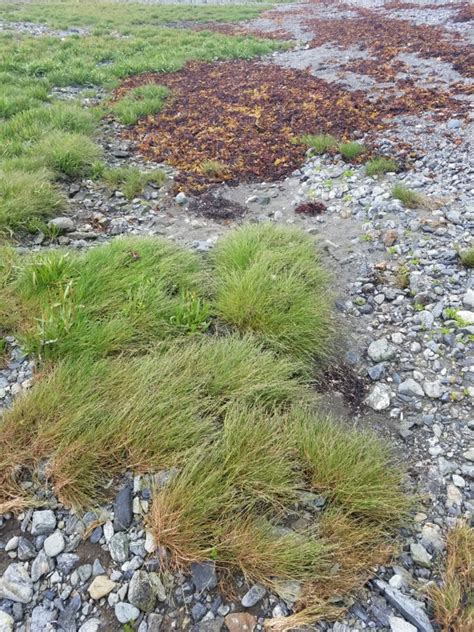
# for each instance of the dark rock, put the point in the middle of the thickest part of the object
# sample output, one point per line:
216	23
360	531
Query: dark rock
204	576
123	510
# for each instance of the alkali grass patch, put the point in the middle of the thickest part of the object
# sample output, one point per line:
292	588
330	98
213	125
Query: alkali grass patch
268	281
142	101
452	598
131	180
467	257
408	197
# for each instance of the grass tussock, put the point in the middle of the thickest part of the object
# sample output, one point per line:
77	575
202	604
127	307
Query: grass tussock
467	257
408	197
453	600
318	143
69	154
268	281
139	102
131	180
380	165
212	168
352	150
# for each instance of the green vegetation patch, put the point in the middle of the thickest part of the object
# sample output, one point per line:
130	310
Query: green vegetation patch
408	197
380	165
131	181
318	143
352	150
139	102
141	370
467	257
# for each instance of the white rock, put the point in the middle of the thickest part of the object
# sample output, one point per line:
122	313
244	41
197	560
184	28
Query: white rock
459	481
466	316
378	397
125	612
6	622
12	544
433	389
381	350
54	544
44	522
400	625
92	625
150	542
16	584
108	530
468	300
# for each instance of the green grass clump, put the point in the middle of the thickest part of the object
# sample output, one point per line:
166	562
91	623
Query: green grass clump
352	150
268	281
20	96
139	102
26	197
131	180
380	165
408	197
467	257
121	296
319	143
68	154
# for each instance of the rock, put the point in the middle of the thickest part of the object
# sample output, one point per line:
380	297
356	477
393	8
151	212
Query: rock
123	514
378	397
67	618
400	625
100	587
390	238
125	612
66	562
381	350
118	547
154	622
376	371
410	388
198	611
240	622
253	595
41	566
62	224
92	625
466	316
145	589
6	622
420	555
181	198
433	389
204	576
468	299
150	542
453	497
215	625
43	522
469	454
425	319
54	544
289	590
42	619
16	584
12	544
413	611
26	550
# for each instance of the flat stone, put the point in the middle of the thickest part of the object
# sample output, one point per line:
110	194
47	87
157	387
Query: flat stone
62	224
26	550
43	522
154	621
466	316
381	350
42	619
66	562
54	544
118	547
253	595
468	299
378	397
204	575
400	625
240	622
67	618
145	589
410	388
123	514
100	587
91	625
214	625
16	584
41	566
413	611
125	612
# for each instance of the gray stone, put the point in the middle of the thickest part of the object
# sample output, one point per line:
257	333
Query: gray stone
289	590
42	619
118	547
468	299
413	611
145	589
154	621
44	522
91	625
67	618
204	575
16	584
466	316
41	566
425	319
26	550
62	224
125	612
433	389
378	397
376	371
181	198
420	555
123	513
6	622
215	625
253	595
66	562
198	611
381	350
410	388
54	544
